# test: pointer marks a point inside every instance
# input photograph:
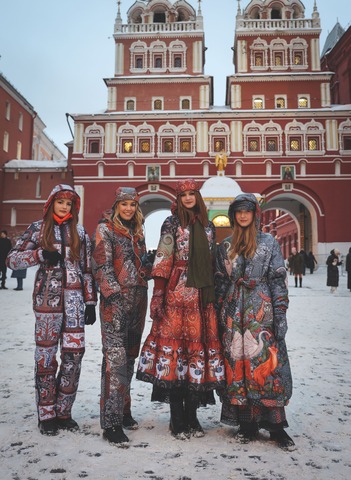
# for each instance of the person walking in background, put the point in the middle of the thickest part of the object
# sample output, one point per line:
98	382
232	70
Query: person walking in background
305	261
5	247
121	268
348	269
61	249
251	300
19	275
296	263
182	355
311	261
333	263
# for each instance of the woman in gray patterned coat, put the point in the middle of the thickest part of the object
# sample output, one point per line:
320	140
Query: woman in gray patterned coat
121	270
251	300
60	247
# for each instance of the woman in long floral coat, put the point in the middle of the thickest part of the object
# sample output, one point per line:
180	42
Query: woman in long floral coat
182	355
121	269
252	299
61	249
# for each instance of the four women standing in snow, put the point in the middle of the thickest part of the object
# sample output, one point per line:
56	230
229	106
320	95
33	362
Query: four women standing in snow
191	350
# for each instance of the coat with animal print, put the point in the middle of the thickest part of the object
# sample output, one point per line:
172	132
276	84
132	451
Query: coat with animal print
183	348
252	299
59	297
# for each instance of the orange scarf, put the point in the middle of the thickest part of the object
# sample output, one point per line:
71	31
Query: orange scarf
60	220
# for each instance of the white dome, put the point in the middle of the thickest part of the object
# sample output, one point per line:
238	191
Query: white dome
221	188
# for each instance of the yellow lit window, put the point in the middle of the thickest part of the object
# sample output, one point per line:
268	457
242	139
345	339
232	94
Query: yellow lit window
127	146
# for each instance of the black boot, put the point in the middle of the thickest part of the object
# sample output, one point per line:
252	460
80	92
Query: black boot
177	424
295	281
117	436
129	422
283	440
247	432
300	282
193	424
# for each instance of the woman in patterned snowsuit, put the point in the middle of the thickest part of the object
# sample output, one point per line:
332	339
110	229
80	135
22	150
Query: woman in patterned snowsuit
121	269
251	299
182	355
63	284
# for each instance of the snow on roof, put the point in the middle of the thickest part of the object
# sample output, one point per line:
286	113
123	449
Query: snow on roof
36	163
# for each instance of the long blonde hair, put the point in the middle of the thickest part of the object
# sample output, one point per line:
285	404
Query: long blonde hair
138	220
243	240
48	239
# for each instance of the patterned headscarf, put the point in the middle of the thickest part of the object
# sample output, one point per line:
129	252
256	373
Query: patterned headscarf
187	184
126	193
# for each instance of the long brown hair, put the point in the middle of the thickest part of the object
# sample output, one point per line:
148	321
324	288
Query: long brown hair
138	220
243	240
185	215
48	239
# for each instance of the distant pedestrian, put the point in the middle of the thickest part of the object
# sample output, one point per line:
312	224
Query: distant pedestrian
311	261
296	264
333	263
305	261
19	275
5	247
348	269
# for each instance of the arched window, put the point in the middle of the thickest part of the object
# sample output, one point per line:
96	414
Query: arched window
185	104
94	140
258	103
158	104
130	104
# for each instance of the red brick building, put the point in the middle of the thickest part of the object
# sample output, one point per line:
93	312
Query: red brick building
280	132
30	163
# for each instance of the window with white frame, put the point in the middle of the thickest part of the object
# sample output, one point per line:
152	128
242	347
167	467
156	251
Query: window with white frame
167	140
185	103
130	104
157	103
298	54
259	55
138	57
5	142
94	141
278	54
344	131
177	56
303	101
20	121
314	137
145	138
19	150
258	103
280	101
158	56
8	111
219	138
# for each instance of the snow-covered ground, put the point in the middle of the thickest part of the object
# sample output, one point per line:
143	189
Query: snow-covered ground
319	413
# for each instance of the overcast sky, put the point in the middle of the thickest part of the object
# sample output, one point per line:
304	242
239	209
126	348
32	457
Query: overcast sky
56	53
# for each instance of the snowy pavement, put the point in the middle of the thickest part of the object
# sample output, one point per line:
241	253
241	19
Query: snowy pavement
319	413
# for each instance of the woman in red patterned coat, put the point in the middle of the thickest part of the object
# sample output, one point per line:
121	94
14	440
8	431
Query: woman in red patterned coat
63	284
182	355
121	270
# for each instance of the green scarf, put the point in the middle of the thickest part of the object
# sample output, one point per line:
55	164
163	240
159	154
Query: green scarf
200	268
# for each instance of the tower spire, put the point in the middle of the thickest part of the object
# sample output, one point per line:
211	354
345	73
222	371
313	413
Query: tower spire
118	21
199	8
